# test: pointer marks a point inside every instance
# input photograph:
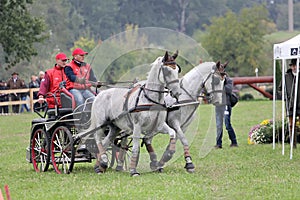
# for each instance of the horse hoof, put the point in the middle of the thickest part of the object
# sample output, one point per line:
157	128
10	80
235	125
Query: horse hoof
189	167
160	170
190	170
98	170
153	165
119	169
135	174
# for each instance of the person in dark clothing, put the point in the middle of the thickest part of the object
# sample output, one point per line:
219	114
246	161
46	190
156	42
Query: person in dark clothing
223	112
290	87
3	98
34	84
15	83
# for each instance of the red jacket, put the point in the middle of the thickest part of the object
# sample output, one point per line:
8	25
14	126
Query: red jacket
50	84
80	72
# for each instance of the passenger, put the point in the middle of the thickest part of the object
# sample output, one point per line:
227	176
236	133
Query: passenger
80	77
51	81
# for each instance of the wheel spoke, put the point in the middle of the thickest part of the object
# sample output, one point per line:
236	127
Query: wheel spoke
62	150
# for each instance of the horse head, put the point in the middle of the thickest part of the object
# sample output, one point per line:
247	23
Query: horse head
214	83
169	75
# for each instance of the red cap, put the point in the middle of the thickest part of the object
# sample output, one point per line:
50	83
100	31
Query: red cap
61	56
79	51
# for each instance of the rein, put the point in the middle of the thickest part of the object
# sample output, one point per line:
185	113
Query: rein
143	88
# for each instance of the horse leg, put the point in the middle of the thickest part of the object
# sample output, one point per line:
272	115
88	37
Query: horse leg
122	148
102	160
135	151
170	150
189	166
152	154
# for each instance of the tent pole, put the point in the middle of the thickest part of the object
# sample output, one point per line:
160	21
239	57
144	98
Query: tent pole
274	100
282	102
294	108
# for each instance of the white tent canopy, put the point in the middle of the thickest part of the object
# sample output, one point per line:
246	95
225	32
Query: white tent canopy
285	51
288	49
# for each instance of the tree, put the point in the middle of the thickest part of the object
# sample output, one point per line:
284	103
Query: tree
19	31
238	39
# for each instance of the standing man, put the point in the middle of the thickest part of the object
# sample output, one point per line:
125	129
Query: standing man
51	81
79	77
224	112
15	83
290	87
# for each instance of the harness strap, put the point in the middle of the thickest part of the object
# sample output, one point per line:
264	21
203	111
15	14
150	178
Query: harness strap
174	81
149	99
181	86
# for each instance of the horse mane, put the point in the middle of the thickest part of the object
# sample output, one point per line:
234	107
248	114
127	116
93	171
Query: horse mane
202	68
155	63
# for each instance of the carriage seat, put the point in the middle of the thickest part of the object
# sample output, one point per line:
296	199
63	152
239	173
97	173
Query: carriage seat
67	104
67	99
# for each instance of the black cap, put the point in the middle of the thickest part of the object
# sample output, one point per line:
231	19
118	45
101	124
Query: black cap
293	62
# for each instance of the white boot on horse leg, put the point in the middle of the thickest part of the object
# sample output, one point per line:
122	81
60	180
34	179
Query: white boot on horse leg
133	163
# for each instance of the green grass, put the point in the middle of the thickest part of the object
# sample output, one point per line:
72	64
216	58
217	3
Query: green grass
246	172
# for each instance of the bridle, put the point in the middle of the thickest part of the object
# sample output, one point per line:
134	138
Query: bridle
211	93
171	64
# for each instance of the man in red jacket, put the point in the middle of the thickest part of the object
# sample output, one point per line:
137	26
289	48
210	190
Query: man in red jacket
80	77
51	81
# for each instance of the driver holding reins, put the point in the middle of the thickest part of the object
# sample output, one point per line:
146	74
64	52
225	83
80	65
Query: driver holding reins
80	77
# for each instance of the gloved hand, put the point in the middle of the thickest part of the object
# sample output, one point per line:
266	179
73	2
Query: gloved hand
80	80
41	99
99	84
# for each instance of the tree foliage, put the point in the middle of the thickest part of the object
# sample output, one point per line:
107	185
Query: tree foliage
238	38
67	21
19	31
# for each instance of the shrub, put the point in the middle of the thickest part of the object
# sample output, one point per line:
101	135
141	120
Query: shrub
247	97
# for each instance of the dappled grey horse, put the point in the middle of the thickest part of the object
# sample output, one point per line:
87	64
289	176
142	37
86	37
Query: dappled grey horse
206	76
140	110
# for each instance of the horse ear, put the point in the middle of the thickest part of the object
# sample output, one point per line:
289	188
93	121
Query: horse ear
166	57
175	54
218	64
225	64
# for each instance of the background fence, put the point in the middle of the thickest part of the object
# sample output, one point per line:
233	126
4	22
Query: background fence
20	102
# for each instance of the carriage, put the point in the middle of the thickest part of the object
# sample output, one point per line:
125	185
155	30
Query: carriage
63	137
54	136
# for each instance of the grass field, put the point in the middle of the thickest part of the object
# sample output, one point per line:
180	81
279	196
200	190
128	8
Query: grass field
246	172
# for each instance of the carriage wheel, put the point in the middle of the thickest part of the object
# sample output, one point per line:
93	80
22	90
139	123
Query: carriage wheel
40	151
62	150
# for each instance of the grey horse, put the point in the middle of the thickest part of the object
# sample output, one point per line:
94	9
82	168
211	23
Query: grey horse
206	76
140	110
